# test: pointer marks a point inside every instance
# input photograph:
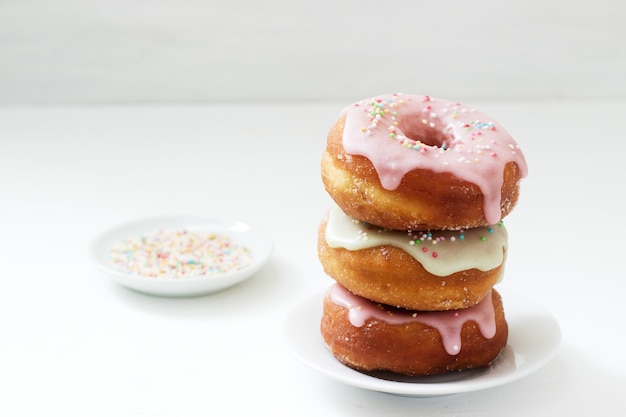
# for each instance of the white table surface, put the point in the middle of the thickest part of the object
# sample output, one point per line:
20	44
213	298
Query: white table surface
73	343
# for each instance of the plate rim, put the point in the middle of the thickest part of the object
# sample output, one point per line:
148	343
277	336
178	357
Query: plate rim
547	349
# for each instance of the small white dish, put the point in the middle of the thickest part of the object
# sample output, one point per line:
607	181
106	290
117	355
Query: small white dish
254	238
534	339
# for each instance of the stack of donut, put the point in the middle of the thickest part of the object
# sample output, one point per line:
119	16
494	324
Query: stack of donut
415	240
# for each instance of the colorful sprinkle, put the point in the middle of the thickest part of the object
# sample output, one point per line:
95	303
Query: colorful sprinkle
385	109
179	254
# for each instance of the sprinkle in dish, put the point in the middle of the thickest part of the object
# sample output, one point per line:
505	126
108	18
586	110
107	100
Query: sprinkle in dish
181	256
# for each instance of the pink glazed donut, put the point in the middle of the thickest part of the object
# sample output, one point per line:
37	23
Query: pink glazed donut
410	162
368	336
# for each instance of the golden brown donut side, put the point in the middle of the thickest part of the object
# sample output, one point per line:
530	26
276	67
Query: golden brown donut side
424	200
389	275
410	349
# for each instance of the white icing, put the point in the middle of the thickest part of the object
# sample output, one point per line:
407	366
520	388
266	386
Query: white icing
441	253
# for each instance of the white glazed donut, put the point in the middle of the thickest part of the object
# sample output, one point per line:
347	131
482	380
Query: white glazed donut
438	270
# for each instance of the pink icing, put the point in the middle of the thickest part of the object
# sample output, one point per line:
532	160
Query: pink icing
400	133
448	323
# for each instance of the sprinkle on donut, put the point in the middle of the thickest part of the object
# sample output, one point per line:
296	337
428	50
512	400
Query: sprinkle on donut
441	252
401	133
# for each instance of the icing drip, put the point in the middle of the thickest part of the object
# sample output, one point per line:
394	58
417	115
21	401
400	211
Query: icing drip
448	323
440	252
400	133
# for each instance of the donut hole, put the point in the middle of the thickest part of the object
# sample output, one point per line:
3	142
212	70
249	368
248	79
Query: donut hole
423	131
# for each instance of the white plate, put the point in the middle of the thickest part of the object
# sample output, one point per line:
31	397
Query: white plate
534	339
244	234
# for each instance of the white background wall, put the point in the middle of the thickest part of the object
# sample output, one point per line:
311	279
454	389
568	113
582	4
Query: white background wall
127	51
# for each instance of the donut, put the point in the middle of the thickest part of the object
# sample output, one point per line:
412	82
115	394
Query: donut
438	270
410	162
369	337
